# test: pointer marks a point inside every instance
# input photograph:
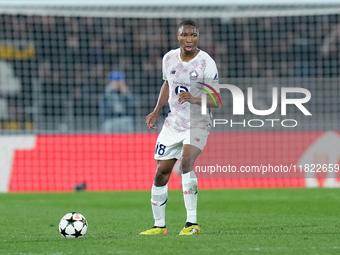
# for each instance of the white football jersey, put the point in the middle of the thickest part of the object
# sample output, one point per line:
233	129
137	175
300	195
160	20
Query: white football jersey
185	76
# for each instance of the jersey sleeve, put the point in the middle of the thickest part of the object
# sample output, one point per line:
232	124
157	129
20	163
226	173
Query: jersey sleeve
164	68
211	74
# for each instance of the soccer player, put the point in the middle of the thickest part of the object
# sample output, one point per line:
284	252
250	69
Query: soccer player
185	130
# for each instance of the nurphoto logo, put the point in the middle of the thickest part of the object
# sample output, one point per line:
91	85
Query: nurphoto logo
239	105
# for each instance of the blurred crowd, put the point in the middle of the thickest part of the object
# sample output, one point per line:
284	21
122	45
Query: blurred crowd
74	56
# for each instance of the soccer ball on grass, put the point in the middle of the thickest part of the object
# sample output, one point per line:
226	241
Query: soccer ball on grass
73	225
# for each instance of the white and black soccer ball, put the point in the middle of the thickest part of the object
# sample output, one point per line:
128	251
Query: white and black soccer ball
73	225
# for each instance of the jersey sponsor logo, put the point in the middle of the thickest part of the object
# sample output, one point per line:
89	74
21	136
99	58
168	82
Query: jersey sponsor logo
181	83
180	89
193	75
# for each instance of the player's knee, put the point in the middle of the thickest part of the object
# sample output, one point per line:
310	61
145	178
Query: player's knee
162	176
163	169
185	164
161	179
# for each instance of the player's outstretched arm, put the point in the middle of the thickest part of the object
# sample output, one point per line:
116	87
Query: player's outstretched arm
162	99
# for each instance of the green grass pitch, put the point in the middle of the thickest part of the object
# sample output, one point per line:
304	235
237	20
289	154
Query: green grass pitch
254	221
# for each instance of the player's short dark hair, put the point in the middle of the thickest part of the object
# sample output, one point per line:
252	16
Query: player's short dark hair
188	22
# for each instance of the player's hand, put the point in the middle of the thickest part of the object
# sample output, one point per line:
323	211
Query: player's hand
185	96
150	119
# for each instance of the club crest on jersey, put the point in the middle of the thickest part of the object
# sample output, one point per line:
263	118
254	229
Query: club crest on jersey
180	89
193	75
173	72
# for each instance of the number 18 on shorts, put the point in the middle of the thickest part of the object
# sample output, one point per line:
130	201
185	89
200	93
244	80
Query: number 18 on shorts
170	142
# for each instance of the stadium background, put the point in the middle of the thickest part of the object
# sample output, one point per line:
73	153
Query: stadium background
55	63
